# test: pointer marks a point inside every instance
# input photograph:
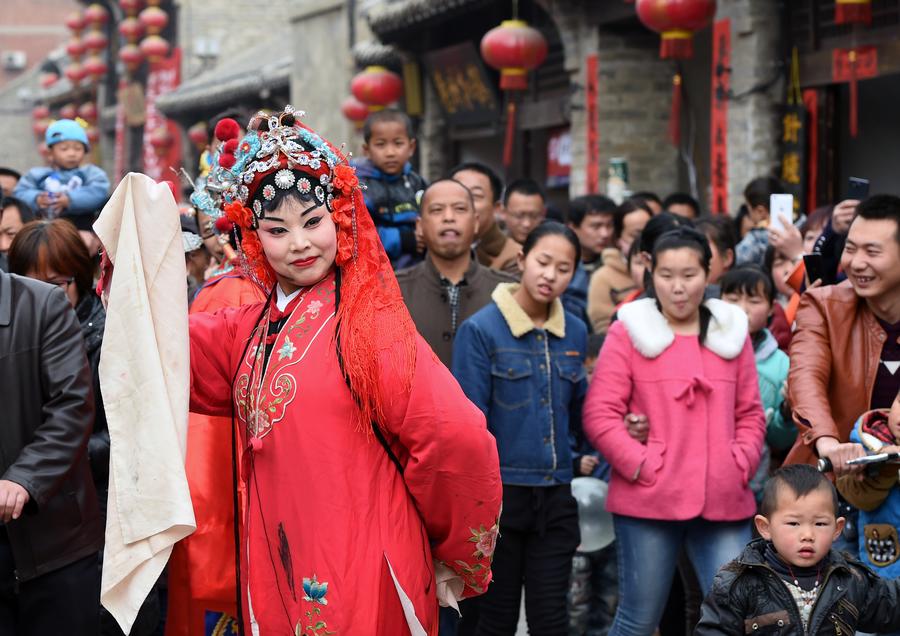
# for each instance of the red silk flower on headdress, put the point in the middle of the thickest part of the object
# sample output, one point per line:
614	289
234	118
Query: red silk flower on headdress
239	214
344	179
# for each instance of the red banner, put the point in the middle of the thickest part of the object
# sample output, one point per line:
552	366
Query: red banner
163	78
866	64
591	97
721	86
811	101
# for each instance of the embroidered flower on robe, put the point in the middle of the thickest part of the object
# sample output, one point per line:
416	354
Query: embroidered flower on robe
485	541
287	349
315	591
313	308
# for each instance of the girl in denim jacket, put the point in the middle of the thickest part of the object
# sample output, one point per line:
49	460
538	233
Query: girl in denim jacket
521	361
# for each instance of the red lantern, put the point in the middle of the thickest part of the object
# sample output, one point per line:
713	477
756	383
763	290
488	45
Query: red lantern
130	7
39	128
75	48
88	112
154	19
95	41
69	111
131	57
75	22
95	67
198	135
75	72
131	29
377	86
676	21
853	11
154	48
93	135
96	15
40	112
514	48
355	111
161	140
48	79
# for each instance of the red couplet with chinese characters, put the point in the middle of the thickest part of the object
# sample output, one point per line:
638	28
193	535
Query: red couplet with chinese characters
721	86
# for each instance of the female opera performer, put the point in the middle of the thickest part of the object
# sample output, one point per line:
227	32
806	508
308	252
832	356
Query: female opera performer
370	484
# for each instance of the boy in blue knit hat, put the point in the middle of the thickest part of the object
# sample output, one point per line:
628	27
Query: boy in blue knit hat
65	188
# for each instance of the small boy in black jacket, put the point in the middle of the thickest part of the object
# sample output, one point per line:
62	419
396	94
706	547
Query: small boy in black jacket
791	581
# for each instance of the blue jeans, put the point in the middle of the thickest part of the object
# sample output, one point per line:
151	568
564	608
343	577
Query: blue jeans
648	552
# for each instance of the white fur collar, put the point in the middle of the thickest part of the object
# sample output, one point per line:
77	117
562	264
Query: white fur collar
651	335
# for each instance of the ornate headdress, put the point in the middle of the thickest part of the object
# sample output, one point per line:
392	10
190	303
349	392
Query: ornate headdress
374	330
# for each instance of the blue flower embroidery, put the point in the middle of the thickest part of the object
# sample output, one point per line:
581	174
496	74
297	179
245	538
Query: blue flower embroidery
287	350
315	591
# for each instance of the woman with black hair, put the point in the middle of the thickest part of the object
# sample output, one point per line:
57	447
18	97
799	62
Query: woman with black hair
688	365
521	361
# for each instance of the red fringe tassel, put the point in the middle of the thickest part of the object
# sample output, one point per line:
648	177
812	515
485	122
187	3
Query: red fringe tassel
510	133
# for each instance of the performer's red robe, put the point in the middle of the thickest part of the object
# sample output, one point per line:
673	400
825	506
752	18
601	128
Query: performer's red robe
202	588
335	539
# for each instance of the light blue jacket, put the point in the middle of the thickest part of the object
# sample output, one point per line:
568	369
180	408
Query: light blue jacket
772	367
86	186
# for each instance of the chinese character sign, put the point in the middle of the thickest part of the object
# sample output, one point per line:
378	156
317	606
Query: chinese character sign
462	85
721	88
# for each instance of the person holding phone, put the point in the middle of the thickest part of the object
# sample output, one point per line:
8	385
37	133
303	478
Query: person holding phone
846	349
758	196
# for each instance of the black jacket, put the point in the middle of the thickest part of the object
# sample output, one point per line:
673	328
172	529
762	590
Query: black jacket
92	318
748	597
48	409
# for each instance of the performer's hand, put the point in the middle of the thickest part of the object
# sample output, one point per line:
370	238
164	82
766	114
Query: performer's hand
13	498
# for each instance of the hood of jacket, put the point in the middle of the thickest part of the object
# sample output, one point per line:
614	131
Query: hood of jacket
651	334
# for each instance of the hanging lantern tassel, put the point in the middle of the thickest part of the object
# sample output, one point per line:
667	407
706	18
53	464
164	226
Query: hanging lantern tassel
853	11
510	133
854	94
675	113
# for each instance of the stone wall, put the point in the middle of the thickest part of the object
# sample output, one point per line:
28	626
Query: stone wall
633	104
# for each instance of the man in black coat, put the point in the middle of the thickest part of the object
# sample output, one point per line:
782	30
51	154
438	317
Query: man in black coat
52	529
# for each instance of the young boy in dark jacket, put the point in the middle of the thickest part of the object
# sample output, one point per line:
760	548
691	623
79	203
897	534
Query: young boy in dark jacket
393	189
791	581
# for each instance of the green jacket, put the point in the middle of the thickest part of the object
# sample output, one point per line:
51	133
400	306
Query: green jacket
772	367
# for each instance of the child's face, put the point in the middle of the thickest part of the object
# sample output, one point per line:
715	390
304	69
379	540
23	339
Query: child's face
389	147
802	529
782	267
759	214
548	268
894	418
679	281
756	306
636	268
67	154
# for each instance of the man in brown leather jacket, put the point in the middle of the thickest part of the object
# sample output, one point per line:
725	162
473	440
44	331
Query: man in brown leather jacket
845	352
494	249
52	532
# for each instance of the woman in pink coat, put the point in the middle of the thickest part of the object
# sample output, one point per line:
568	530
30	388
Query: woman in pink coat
688	365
